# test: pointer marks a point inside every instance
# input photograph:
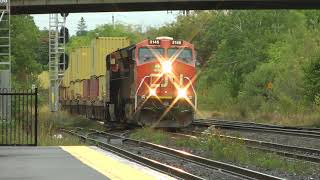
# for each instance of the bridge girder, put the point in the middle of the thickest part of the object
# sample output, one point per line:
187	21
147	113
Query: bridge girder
74	6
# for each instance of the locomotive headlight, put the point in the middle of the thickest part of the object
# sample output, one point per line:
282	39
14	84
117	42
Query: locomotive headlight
182	93
166	66
152	92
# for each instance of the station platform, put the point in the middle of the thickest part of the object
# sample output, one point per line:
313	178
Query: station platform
69	162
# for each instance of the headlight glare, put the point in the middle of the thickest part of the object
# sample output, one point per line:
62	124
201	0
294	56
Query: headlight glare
182	93
152	92
166	67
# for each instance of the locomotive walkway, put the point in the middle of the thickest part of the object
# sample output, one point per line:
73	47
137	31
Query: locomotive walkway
69	162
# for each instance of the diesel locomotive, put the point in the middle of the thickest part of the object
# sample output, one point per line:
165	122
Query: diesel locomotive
150	83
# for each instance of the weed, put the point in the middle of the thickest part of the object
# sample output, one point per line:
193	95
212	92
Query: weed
50	122
235	151
151	135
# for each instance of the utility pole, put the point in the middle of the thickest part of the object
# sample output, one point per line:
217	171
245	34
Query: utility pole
5	58
5	45
113	21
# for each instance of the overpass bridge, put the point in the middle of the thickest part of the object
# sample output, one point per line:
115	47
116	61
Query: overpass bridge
74	6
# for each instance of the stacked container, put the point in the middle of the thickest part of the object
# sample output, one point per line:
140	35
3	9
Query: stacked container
102	87
86	89
64	87
94	88
84	61
85	78
101	46
66	79
72	90
73	65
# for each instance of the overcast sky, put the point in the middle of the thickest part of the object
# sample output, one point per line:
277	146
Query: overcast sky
145	19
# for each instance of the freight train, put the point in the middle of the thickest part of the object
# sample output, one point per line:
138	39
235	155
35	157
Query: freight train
150	83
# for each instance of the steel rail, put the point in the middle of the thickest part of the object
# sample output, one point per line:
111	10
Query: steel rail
261	124
280	149
179	173
310	134
217	165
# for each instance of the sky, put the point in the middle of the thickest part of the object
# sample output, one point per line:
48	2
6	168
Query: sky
145	19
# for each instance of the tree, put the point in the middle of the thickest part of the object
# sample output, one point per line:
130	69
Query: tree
82	27
25	44
43	49
312	79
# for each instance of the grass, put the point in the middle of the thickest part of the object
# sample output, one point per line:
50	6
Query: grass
48	129
158	137
50	122
219	148
11	133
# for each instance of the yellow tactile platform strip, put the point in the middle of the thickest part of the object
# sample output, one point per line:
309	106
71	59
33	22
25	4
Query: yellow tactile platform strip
112	166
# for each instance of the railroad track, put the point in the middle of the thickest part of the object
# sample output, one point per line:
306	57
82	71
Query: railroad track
296	152
260	124
248	126
96	137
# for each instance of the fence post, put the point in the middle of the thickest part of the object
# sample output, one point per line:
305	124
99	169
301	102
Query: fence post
36	116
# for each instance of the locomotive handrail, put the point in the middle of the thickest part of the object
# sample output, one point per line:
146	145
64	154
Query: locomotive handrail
195	93
136	95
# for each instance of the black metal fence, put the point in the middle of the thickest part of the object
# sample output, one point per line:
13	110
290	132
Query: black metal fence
18	117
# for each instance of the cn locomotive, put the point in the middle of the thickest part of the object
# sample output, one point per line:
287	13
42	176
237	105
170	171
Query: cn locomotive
150	83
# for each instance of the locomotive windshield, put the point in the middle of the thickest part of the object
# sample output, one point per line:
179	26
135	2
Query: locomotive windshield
185	55
149	54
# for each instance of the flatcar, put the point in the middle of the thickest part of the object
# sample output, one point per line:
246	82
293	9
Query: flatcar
150	83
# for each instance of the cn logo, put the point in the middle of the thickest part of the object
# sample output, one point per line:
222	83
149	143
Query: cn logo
158	80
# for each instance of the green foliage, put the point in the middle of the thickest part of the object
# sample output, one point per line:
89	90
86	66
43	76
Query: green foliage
312	80
50	122
43	49
25	45
151	135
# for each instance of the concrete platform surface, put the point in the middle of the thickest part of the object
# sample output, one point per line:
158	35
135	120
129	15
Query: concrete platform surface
69	163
